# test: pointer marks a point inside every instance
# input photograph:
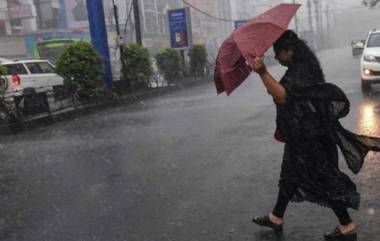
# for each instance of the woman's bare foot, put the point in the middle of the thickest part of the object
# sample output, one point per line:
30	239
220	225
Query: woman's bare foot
275	219
350	228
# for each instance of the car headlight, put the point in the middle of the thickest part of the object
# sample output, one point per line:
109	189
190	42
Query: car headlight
367	71
369	58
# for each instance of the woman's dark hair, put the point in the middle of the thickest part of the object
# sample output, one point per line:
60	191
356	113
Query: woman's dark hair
301	53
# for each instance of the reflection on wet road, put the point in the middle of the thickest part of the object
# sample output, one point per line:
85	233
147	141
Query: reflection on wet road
369	118
186	166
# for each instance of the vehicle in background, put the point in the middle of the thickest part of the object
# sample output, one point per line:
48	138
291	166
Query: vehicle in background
50	49
357	47
370	61
31	86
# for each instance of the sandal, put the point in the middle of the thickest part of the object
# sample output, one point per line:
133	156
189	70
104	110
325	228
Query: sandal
337	235
266	222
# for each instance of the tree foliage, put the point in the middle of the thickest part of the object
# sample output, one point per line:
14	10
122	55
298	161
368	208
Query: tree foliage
198	59
138	66
370	3
169	63
79	63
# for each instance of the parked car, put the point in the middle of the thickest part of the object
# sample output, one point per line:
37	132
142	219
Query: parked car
4	60
370	61
30	85
357	47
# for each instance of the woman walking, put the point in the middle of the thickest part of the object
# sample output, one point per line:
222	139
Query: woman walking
308	112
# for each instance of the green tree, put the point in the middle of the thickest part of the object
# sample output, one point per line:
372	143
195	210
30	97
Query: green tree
370	3
169	63
2	80
79	63
137	69
198	59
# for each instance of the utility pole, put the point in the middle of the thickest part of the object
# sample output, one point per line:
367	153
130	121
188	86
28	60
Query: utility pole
327	12
311	33
296	20
37	4
136	13
322	30
116	15
310	18
119	38
318	24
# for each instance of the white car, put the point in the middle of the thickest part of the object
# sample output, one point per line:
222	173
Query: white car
29	81
370	61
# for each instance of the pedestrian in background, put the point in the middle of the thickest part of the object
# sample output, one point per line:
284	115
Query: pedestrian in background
308	113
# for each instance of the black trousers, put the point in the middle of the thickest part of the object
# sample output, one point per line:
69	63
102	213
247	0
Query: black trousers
283	201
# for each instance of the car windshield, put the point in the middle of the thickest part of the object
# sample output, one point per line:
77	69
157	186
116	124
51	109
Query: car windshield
374	40
40	68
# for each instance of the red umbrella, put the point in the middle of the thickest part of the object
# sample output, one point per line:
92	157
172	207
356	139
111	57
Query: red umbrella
230	65
247	42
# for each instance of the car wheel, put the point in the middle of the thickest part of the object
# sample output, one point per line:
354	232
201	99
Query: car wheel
366	87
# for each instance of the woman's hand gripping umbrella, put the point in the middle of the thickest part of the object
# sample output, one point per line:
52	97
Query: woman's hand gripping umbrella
248	42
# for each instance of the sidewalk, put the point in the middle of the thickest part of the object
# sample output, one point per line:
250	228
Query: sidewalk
70	112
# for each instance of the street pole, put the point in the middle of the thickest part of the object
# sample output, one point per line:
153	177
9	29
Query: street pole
328	20
321	21
310	18
38	12
124	67
136	13
296	20
116	15
99	38
318	26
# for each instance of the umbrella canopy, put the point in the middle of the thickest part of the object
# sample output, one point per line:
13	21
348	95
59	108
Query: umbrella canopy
247	42
230	69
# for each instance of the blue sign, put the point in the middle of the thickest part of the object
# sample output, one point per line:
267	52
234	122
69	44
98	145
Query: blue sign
179	28
239	23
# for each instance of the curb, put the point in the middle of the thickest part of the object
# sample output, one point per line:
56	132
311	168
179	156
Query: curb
70	113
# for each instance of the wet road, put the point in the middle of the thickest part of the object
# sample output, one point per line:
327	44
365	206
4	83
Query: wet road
182	167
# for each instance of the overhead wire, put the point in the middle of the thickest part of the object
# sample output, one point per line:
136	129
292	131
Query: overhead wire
207	14
128	17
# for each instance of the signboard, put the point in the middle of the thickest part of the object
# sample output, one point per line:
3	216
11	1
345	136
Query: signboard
76	13
239	23
18	11
180	28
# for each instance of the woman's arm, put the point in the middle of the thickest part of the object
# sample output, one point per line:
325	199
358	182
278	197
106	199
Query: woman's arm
275	89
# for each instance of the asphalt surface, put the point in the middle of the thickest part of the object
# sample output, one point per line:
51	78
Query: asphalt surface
186	166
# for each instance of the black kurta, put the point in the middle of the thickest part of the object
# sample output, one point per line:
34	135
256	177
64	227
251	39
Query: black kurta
309	124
